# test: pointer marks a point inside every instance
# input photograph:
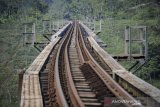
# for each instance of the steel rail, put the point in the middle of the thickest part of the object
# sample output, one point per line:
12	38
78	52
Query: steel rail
59	91
76	101
79	46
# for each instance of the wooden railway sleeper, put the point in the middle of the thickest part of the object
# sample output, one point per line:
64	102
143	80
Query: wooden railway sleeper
95	85
95	82
91	77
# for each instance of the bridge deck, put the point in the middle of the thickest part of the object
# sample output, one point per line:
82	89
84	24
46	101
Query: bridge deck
31	95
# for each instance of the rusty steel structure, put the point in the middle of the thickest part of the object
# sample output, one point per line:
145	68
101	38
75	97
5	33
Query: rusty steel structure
74	71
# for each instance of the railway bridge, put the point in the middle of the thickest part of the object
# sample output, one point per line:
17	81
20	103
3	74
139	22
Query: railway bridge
74	71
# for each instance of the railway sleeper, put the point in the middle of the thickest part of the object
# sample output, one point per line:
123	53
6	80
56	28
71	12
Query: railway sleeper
96	83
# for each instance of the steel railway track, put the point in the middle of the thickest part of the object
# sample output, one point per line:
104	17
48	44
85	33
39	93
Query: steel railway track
76	81
75	76
47	76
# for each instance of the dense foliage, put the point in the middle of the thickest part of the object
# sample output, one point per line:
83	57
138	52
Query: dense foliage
16	56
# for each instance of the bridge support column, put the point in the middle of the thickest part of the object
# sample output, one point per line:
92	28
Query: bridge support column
34	34
47	27
28	33
20	74
100	25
